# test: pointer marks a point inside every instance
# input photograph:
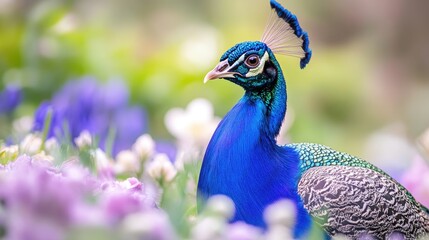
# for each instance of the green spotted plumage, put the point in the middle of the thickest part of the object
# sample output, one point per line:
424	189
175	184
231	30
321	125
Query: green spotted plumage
347	195
316	155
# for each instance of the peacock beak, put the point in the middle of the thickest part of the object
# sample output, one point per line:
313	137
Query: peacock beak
222	70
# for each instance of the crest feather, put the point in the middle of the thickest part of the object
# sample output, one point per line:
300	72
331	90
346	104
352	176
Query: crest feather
283	35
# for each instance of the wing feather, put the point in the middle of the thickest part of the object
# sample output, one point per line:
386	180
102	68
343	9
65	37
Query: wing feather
357	201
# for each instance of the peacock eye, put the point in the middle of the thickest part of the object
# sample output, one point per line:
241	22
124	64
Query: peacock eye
252	61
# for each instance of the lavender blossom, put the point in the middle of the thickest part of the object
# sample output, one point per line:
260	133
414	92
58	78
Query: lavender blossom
10	98
36	200
101	110
118	199
42	201
416	180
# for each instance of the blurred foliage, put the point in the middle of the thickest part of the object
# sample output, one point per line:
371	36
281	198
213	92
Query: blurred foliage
364	73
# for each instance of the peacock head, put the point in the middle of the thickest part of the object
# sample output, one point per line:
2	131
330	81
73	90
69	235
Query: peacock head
248	64
253	65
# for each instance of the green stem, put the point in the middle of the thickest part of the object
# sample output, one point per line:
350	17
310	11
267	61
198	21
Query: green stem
46	127
110	141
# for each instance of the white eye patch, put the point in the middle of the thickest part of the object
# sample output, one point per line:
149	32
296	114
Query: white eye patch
258	70
239	61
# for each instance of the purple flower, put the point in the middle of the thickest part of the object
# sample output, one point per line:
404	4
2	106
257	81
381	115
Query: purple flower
134	184
416	180
119	204
129	125
10	98
118	199
36	200
42	201
86	105
41	115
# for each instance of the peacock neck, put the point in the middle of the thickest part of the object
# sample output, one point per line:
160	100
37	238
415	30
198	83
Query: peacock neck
274	98
244	162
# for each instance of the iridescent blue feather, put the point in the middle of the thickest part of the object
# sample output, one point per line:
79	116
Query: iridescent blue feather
308	52
244	162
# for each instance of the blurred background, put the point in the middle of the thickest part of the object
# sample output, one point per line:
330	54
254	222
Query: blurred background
365	91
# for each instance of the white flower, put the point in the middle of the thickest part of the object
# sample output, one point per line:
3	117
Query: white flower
83	140
194	125
102	161
213	225
280	218
242	231
148	225
144	146
209	228
127	161
9	151
221	205
161	169
23	124
51	144
31	144
281	212
186	156
42	156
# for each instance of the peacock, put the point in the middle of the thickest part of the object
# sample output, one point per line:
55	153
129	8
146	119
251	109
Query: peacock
338	192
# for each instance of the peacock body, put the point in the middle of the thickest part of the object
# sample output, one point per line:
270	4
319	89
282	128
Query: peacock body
341	193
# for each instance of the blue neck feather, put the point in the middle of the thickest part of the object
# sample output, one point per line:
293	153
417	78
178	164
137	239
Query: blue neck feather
274	106
244	162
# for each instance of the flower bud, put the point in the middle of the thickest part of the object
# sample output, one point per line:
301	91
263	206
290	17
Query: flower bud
221	205
144	146
84	140
127	161
161	169
31	144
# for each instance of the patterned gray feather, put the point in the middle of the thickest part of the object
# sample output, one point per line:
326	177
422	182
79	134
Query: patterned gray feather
359	202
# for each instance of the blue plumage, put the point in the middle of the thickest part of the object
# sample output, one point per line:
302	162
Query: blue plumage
308	52
341	193
243	160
